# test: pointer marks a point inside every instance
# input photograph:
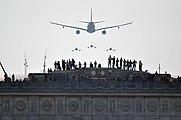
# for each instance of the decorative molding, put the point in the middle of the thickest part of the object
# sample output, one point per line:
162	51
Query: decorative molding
20	105
46	105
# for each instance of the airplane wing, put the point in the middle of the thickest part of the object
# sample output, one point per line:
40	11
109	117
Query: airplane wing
68	26
113	26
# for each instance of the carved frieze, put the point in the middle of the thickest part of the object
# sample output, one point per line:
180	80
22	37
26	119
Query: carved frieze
47	106
7	105
73	106
152	106
20	105
99	105
91	107
60	105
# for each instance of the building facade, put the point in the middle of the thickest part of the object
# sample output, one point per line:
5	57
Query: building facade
92	94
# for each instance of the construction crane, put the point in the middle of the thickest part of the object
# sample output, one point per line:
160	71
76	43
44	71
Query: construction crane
6	78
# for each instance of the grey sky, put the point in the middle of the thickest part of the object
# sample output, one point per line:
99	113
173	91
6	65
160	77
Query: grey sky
154	37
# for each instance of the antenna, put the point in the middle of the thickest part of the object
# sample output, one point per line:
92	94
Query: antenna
44	65
91	15
159	69
25	63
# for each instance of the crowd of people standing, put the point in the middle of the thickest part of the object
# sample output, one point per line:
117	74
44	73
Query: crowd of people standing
70	64
113	62
124	64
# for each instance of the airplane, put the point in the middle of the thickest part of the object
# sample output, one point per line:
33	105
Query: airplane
92	46
110	49
91	26
76	49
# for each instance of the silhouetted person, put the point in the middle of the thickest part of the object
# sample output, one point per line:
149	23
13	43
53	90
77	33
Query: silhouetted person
13	77
55	65
120	63
113	61
130	65
109	61
124	64
91	65
117	63
80	65
67	65
63	64
127	64
73	63
140	65
5	76
49	70
134	64
85	64
58	65
95	64
99	65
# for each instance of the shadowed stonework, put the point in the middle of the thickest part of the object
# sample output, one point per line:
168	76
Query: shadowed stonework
92	94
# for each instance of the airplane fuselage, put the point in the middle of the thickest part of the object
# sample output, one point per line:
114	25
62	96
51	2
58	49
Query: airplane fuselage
90	27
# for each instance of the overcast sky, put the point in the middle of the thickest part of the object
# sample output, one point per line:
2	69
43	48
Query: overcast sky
154	37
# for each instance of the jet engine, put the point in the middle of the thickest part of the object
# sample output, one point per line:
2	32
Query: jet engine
103	32
77	31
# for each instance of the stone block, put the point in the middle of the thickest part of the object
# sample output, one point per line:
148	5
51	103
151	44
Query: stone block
125	106
110	117
112	106
175	118
122	117
73	106
20	106
33	117
138	118
74	117
58	117
152	118
152	106
86	106
138	106
19	117
165	106
7	117
7	105
165	118
176	106
87	117
34	106
47	117
99	106
60	105
47	106
99	117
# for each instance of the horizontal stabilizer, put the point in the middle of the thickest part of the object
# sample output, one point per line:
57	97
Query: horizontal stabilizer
98	22
83	21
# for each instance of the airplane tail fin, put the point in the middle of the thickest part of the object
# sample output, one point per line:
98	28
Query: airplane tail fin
91	16
91	19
